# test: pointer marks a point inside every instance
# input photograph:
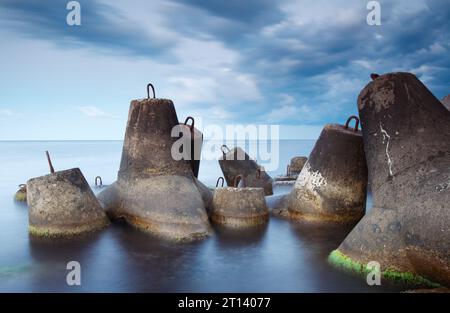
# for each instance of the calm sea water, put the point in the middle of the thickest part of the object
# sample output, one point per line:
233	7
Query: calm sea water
279	257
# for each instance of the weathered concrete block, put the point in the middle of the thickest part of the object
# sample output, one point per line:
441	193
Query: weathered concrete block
63	204
296	165
192	138
21	194
169	206
332	186
236	162
407	144
154	191
239	207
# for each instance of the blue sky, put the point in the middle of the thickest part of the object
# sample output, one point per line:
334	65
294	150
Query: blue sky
297	63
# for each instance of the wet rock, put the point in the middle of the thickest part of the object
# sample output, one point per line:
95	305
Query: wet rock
405	130
63	204
236	162
239	207
332	185
21	194
153	191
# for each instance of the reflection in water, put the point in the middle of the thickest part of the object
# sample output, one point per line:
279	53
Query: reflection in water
279	257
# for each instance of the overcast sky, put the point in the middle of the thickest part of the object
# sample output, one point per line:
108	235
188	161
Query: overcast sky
297	63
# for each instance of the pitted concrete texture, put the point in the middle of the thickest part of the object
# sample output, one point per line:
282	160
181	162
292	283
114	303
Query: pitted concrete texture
406	139
332	186
297	164
148	141
239	207
63	204
167	206
21	194
155	191
236	162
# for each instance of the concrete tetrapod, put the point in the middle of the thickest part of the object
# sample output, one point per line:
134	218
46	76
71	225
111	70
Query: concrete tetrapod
63	204
239	206
332	186
446	102
155	191
21	194
293	169
407	144
192	139
236	162
297	164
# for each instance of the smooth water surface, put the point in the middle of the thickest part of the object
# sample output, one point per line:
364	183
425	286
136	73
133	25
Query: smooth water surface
279	257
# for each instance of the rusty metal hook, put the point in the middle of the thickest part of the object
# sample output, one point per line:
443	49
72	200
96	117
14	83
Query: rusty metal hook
98	178
356	122
148	91
258	173
192	119
241	178
220	179
50	165
224	146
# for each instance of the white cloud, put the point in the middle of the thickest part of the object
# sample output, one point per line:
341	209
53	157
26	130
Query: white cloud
288	109
93	111
6	112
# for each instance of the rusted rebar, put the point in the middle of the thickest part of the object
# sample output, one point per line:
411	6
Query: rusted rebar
52	170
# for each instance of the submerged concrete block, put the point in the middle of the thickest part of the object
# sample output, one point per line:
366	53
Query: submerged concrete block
407	145
296	165
332	186
21	194
236	162
154	191
169	206
239	207
63	204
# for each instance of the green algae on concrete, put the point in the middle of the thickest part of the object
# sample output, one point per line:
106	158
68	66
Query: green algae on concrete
46	232
7	271
20	196
342	261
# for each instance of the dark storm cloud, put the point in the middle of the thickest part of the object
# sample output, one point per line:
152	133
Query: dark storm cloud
308	60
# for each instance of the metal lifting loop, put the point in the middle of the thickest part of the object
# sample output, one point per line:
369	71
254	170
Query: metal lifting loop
192	119
50	165
148	91
258	173
225	146
100	182
353	117
241	178
218	180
